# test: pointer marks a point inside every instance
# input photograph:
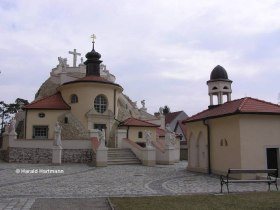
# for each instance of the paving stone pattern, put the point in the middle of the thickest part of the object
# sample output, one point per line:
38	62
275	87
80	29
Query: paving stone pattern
22	190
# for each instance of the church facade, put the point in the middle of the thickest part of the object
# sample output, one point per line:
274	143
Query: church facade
71	108
242	133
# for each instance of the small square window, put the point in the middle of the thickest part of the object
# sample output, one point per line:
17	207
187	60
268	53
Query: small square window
40	132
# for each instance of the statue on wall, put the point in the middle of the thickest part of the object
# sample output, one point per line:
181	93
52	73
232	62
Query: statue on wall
62	62
57	135
13	125
101	134
148	138
6	129
170	136
143	103
161	111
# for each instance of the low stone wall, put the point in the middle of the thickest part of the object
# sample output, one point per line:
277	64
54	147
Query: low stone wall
40	155
77	155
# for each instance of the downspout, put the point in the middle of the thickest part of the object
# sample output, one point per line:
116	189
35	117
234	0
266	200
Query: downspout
25	123
206	123
115	102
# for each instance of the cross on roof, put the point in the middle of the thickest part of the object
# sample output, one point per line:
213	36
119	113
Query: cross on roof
93	37
75	54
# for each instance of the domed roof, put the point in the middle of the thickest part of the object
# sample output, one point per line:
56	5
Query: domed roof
93	55
219	73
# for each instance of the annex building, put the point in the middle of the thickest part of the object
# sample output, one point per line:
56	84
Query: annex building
242	133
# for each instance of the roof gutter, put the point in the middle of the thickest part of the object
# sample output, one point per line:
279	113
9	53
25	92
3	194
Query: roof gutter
206	123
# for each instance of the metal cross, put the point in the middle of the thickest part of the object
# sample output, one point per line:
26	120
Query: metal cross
93	37
75	54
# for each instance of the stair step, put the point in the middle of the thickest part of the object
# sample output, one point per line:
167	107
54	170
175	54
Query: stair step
118	156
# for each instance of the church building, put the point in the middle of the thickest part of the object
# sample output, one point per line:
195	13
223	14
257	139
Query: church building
242	133
73	105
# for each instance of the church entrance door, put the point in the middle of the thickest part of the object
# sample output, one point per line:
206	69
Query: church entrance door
100	127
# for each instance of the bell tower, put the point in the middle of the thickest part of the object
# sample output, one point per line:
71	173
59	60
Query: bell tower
219	85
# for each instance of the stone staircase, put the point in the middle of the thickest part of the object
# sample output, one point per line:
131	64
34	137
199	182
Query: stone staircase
117	156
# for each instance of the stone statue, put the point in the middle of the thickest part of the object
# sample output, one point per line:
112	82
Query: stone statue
13	125
170	136
161	111
143	103
57	135
62	62
134	104
6	129
101	134
148	138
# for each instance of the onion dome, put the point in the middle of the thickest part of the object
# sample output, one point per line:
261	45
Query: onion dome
219	73
93	63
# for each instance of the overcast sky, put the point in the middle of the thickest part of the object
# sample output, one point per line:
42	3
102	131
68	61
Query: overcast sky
161	51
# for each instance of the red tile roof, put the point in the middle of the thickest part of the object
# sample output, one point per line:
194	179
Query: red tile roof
169	117
243	105
137	123
54	102
95	79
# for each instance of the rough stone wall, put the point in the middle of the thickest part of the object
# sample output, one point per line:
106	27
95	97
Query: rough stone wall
28	155
38	155
73	129
47	88
77	156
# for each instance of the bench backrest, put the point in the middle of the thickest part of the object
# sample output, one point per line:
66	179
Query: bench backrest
272	172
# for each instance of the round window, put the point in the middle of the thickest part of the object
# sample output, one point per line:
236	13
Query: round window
41	115
100	103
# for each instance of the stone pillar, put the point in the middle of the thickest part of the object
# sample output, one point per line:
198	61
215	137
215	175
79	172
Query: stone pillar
56	155
101	157
229	97
211	99
102	150
121	134
149	156
57	145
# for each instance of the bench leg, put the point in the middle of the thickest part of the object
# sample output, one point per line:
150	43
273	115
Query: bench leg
276	185
268	186
227	188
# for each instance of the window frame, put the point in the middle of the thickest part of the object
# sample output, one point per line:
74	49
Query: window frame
74	99
34	136
100	103
140	135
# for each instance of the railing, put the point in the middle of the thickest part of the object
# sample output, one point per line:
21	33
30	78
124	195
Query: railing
136	149
159	145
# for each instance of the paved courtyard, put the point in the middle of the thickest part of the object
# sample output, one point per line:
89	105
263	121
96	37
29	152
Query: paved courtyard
22	184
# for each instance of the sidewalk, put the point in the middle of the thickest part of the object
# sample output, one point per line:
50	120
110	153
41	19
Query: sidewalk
21	186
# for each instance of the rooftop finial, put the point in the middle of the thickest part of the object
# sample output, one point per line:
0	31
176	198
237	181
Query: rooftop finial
93	40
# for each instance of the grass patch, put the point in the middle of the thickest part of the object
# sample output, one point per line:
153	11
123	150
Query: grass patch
263	200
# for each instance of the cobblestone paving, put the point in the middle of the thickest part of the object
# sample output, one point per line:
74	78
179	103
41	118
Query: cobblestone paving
19	189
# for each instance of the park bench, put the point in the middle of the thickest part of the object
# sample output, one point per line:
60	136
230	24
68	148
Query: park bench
271	177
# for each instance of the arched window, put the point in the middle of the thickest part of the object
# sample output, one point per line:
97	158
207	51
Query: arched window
140	135
214	88
225	88
100	103
74	99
